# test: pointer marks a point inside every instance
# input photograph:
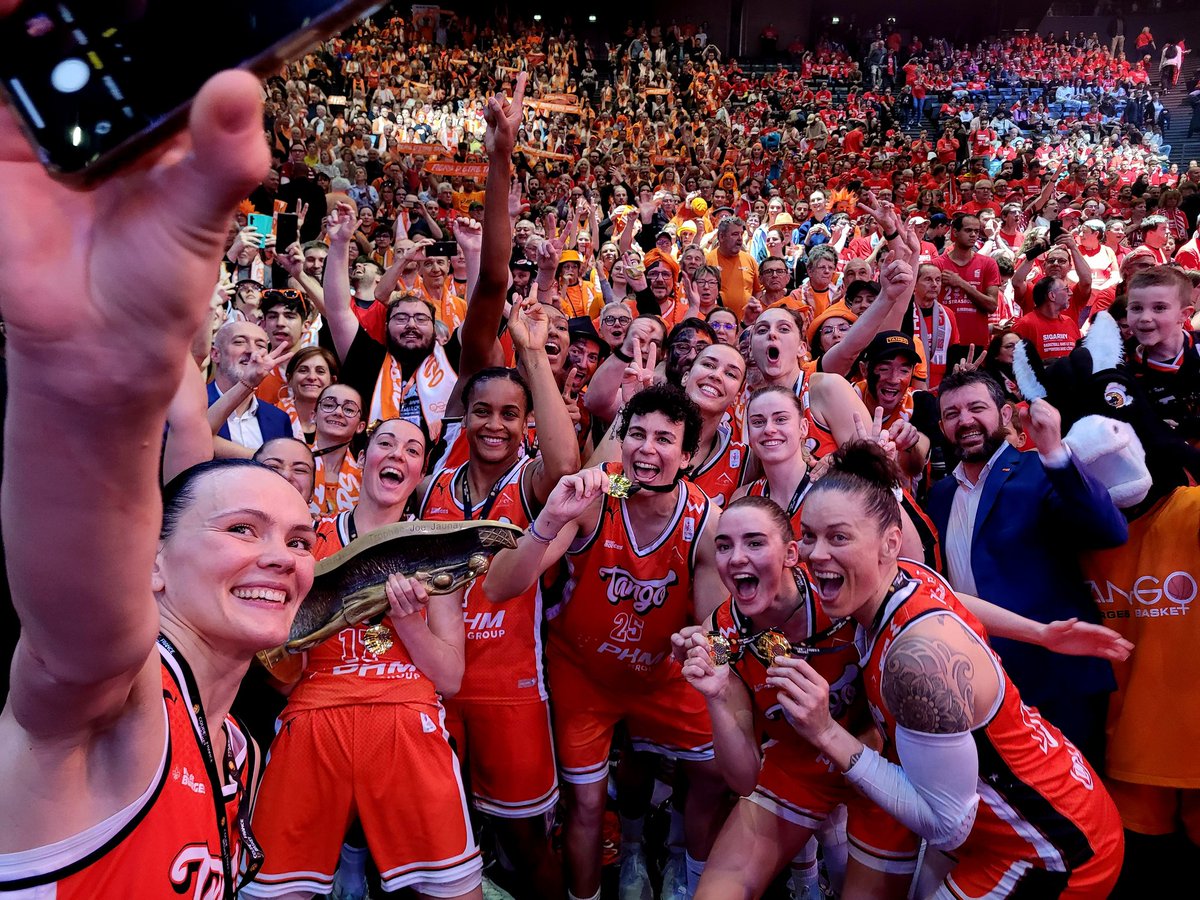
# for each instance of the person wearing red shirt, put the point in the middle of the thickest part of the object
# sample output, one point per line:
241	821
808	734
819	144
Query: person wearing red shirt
981	141
1188	256
947	148
983	199
1051	331
970	281
853	142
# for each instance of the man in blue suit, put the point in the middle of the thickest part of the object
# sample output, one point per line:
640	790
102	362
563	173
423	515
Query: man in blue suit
253	422
1012	526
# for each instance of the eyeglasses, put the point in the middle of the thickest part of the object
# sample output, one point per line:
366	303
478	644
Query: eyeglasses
774	270
331	405
610	321
723	326
830	330
403	319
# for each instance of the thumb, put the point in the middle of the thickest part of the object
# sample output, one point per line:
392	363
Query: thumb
228	157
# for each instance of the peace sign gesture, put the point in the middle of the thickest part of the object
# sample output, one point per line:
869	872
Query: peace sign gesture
639	373
876	433
883	212
263	364
972	362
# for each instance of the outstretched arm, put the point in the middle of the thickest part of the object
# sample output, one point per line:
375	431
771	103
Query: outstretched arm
126	340
486	306
340	226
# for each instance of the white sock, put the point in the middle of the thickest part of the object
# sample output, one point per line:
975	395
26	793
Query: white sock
805	873
631	829
695	868
595	896
353	861
835	847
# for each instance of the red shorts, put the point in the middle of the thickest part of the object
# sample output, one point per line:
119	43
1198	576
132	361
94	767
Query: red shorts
1150	809
796	784
509	754
995	876
669	717
388	765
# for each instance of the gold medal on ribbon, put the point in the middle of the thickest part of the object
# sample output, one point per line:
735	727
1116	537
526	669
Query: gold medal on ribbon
378	639
771	644
618	486
718	648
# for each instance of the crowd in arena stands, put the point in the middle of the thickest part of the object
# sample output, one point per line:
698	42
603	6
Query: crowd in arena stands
658	211
854	468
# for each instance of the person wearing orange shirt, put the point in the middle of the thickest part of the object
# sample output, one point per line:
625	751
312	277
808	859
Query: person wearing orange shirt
371	696
739	272
436	286
501	716
641	568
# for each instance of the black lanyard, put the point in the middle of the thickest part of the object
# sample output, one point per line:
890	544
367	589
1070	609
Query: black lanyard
797	495
765	645
250	844
468	507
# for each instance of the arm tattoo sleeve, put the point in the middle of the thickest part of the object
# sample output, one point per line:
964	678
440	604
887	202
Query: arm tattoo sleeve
927	683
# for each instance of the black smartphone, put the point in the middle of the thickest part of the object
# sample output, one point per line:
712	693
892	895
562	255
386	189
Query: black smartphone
287	231
442	248
96	82
1056	229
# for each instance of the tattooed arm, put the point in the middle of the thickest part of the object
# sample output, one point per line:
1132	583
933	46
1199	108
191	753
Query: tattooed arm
939	683
938	678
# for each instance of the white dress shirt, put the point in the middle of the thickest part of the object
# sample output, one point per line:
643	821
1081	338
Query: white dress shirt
960	529
244	428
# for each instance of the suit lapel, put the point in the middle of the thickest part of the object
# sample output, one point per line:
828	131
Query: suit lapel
1006	466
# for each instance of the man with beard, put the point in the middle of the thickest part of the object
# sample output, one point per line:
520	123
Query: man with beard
1012	527
659	294
683	345
409	375
237	348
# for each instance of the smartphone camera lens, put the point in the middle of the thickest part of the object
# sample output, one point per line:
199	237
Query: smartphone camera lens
70	76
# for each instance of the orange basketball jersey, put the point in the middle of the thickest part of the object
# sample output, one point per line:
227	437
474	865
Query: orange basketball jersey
504	640
721	475
623	601
761	488
1040	800
820	441
166	844
837	664
342	670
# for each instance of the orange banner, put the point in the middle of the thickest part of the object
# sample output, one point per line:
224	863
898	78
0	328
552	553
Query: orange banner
659	160
426	149
571	99
659	91
544	154
466	170
565	108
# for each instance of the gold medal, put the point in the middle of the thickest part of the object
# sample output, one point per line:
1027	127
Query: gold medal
618	486
718	648
771	644
378	639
